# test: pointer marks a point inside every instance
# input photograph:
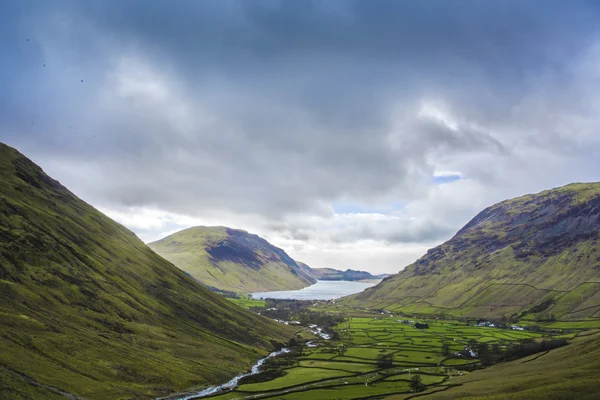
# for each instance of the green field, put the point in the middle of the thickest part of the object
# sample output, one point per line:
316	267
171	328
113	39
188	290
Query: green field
247	303
350	368
569	372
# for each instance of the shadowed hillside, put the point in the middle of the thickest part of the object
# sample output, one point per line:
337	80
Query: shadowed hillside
533	257
88	310
233	260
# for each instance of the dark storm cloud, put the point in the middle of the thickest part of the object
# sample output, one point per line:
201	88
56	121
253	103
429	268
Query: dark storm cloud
279	108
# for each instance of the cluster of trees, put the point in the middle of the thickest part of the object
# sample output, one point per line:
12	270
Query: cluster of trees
296	310
497	353
416	384
385	360
222	292
543	306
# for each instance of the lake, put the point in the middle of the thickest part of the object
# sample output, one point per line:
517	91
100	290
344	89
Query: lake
322	290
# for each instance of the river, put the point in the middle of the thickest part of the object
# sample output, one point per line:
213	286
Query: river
322	290
233	382
229	385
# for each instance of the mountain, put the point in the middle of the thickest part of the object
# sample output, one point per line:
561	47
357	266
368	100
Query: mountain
232	260
330	274
533	257
87	310
306	271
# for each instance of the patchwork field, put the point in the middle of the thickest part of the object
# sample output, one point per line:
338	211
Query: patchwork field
569	372
380	357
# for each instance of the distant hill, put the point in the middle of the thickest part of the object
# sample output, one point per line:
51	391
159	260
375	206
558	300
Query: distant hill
330	274
87	310
233	260
533	257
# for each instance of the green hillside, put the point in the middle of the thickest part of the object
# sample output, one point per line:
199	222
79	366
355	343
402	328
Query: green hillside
87	310
570	372
534	257
233	260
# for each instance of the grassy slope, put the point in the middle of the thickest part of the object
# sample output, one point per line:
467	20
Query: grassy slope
509	258
87	308
569	372
233	260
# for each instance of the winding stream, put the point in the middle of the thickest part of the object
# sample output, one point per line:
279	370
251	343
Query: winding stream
231	384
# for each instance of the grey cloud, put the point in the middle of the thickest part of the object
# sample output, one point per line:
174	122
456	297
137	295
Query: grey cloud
279	108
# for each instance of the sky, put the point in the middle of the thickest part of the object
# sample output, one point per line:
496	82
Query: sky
353	134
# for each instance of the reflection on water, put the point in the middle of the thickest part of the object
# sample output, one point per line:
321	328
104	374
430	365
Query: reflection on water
322	290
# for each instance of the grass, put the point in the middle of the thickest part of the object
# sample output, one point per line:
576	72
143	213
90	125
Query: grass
570	372
294	377
350	368
348	392
232	260
247	303
337	365
86	308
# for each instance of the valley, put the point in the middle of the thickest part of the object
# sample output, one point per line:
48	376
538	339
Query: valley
502	305
379	355
299	200
89	311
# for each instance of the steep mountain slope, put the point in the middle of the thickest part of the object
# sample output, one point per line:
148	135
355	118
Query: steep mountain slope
536	256
87	309
233	260
306	272
330	274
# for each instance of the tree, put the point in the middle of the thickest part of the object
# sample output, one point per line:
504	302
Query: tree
445	349
334	335
293	342
472	344
416	384
385	360
482	349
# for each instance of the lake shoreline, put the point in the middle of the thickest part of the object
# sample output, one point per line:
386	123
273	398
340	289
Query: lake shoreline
322	290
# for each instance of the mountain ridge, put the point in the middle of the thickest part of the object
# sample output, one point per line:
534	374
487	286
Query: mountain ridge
534	256
331	274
